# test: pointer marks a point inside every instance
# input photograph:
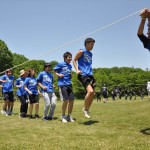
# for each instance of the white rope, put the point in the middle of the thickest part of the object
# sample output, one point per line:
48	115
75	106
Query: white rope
102	28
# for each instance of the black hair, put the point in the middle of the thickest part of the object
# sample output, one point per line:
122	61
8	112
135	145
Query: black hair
8	70
88	40
46	65
66	55
29	72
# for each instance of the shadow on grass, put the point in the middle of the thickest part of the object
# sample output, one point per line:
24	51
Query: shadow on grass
90	122
145	131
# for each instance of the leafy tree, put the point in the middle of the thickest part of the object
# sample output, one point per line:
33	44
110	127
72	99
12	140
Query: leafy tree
6	57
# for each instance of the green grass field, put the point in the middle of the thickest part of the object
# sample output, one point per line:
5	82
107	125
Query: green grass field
117	125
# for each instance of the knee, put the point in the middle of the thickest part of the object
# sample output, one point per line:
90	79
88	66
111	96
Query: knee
48	105
53	105
92	93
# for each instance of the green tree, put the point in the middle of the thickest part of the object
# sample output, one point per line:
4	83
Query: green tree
6	57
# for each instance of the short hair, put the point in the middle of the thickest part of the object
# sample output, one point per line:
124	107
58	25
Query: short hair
8	70
47	65
29	72
66	55
88	40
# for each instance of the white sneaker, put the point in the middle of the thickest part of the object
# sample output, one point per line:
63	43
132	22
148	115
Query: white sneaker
2	112
5	113
86	114
64	119
70	119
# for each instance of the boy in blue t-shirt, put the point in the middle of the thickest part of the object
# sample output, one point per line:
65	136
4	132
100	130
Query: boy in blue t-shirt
63	72
84	72
45	81
7	90
145	14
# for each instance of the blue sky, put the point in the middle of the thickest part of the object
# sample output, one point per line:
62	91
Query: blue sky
33	27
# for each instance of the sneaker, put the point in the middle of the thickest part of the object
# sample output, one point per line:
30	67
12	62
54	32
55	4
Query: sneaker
70	119
2	112
27	101
30	117
10	113
5	113
86	114
45	119
64	119
49	118
37	116
22	115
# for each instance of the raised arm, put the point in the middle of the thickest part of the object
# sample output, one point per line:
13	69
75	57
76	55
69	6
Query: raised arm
141	26
145	13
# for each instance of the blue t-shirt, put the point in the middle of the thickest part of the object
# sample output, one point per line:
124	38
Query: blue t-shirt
8	85
85	63
46	79
31	84
65	69
21	91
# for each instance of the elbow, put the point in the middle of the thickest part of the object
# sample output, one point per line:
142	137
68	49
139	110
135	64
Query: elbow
139	33
74	61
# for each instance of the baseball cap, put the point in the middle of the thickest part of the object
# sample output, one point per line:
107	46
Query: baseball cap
22	72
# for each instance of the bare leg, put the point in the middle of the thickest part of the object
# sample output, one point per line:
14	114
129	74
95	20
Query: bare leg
64	106
36	108
70	107
88	98
5	105
31	109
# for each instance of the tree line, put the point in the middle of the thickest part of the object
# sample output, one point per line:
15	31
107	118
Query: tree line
126	78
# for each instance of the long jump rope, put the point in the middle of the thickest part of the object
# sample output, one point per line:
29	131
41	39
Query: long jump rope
66	44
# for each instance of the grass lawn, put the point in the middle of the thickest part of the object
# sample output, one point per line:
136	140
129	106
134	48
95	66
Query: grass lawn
117	125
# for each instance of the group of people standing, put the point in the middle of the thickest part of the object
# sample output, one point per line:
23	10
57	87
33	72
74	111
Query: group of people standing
28	91
27	83
117	94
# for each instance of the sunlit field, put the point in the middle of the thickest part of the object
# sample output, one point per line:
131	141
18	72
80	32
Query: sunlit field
116	125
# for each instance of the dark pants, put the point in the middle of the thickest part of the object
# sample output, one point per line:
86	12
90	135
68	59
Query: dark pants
24	105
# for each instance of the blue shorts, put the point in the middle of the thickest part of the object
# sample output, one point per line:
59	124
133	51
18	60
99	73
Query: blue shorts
66	92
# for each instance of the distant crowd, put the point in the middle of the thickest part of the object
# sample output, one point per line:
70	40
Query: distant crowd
117	94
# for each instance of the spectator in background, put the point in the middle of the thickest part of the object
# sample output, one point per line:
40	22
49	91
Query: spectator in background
98	96
113	94
105	94
126	94
141	94
134	94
